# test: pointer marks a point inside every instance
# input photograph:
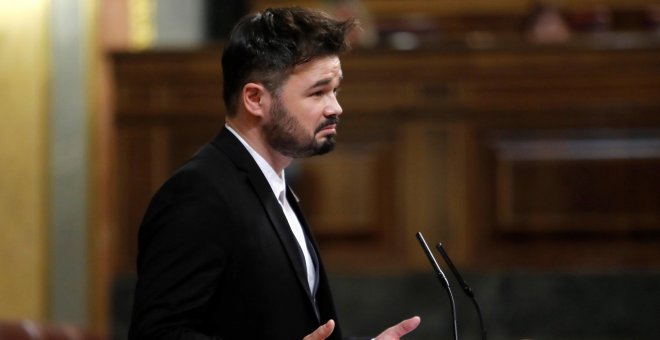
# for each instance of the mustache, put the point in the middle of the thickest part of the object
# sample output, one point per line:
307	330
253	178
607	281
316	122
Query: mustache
330	121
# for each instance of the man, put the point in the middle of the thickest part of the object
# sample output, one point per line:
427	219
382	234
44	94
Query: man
224	251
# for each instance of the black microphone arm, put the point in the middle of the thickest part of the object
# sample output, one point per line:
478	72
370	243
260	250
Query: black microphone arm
442	278
464	286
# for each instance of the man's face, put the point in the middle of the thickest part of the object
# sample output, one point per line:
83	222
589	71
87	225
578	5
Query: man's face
304	115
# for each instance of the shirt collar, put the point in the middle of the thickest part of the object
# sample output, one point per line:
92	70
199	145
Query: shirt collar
277	182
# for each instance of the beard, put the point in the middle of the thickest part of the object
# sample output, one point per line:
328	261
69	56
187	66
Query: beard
285	134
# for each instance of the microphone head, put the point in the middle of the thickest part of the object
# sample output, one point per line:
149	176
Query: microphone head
441	275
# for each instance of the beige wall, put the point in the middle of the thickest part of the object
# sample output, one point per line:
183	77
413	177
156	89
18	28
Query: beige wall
23	145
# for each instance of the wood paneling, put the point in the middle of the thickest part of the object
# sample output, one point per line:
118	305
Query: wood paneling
455	18
167	106
513	156
578	184
455	7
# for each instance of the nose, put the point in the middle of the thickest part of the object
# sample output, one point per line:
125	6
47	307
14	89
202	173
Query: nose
333	108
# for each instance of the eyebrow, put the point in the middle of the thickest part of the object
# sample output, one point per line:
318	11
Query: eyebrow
324	81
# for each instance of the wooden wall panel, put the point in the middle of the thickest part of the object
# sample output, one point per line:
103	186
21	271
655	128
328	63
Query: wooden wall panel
434	181
349	198
576	185
134	186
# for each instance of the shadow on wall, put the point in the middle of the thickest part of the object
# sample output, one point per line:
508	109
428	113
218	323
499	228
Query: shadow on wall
514	305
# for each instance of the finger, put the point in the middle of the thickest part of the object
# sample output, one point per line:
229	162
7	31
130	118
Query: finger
402	328
322	332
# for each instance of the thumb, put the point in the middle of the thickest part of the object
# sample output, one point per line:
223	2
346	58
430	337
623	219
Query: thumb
322	332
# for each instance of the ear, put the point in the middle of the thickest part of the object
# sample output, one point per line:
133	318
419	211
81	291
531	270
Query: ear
256	99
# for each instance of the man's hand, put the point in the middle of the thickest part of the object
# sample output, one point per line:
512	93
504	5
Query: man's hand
393	333
402	328
322	332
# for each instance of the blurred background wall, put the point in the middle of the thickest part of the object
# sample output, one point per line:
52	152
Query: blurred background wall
47	107
23	201
523	135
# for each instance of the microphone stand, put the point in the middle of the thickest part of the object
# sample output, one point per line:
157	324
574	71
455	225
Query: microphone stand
442	278
464	286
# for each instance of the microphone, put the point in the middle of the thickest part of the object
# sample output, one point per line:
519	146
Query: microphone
442	278
464	286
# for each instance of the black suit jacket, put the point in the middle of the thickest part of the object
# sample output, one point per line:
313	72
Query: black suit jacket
217	259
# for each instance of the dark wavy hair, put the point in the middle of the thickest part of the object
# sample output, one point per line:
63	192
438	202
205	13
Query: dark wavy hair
265	47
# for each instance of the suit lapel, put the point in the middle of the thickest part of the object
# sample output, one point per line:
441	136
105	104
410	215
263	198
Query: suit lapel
227	142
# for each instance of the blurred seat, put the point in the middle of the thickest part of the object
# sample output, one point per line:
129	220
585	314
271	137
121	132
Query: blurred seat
18	330
29	330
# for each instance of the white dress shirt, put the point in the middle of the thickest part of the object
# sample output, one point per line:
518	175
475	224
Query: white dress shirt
278	185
